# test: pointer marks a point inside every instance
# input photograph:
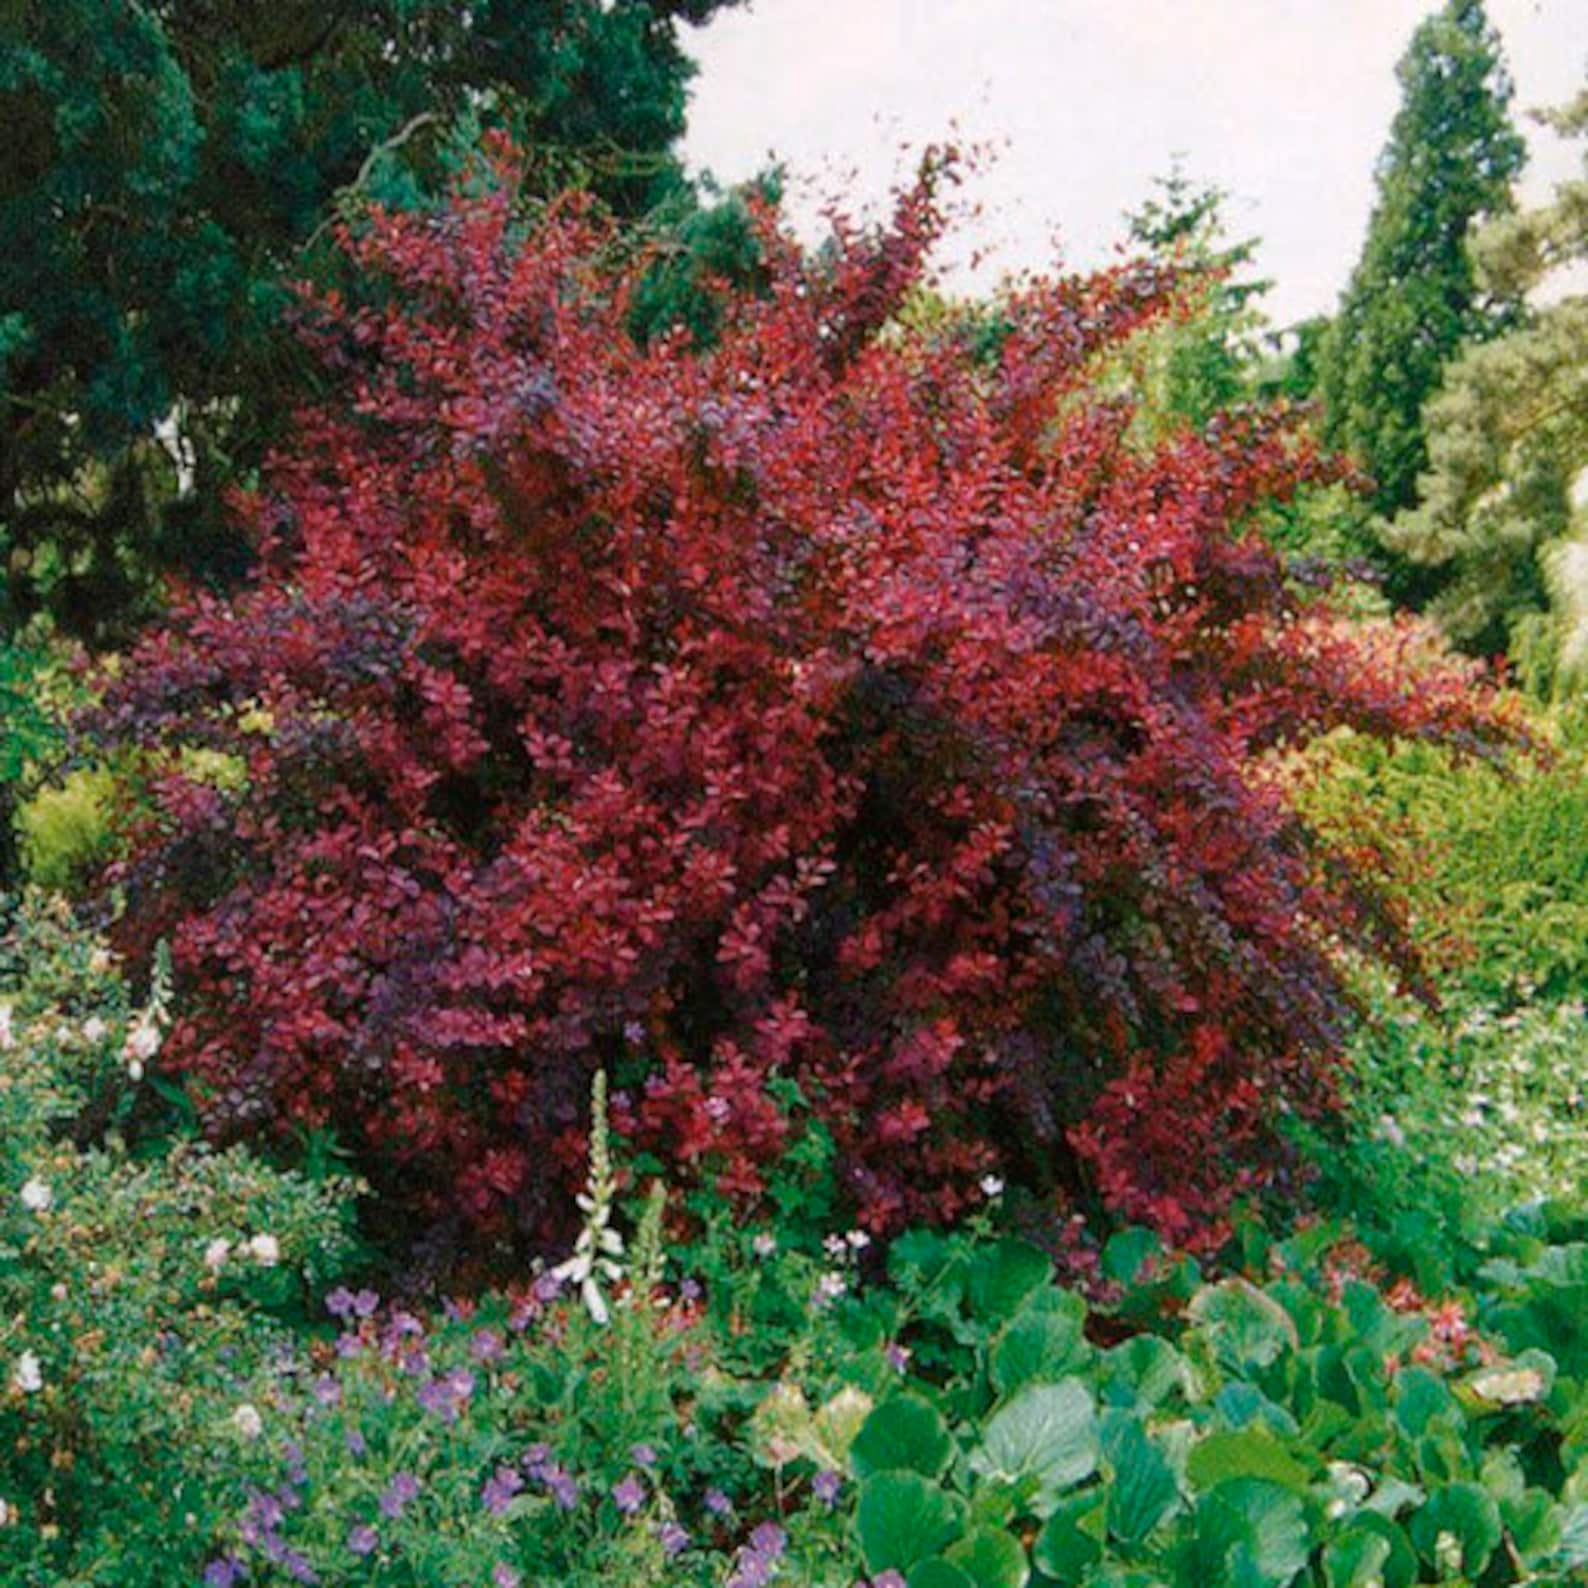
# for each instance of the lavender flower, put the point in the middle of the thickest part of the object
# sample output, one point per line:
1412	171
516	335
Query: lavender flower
643	1455
326	1390
673	1538
825	1486
769	1540
559	1483
340	1303
486	1346
226	1571
718	1503
503	1576
356	1445
499	1490
403	1487
536	1459
363	1539
629	1494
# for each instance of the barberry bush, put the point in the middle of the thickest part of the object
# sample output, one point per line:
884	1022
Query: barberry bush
845	712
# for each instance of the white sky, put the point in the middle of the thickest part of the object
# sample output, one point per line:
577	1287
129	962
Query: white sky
1285	103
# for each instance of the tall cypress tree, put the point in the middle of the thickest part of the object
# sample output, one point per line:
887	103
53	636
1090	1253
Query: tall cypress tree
1414	299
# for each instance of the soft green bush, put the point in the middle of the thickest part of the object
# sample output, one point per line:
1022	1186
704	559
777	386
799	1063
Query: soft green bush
141	1293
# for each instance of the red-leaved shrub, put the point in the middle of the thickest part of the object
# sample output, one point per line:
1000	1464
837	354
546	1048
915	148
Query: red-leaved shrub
845	702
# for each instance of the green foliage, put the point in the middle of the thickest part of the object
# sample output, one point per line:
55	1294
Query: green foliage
1413	299
170	167
1204	361
128	1337
1507	445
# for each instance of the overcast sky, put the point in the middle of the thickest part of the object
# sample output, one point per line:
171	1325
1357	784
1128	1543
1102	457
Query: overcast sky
1285	103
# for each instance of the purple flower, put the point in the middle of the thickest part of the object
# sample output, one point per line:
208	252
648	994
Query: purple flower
889	1579
434	1397
355	1443
718	1503
898	1356
340	1302
629	1494
403	1487
536	1459
825	1486
224	1572
547	1288
673	1538
486	1346
690	1290
264	1509
560	1485
365	1302
499	1490
460	1383
769	1540
363	1539
643	1455
326	1390
298	1567
751	1571
503	1576
348	1346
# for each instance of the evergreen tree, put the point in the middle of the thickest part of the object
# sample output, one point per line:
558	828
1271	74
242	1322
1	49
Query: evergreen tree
166	162
1503	518
1204	362
1413	299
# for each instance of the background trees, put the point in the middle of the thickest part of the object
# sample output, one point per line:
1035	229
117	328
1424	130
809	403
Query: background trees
1414	297
167	167
1500	522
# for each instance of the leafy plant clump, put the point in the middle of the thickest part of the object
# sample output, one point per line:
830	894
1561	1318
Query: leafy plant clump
844	705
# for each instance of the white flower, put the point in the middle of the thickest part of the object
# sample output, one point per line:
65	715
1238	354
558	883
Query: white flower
28	1375
858	1240
1389	1130
216	1253
143	1041
37	1196
135	1070
247	1421
764	1245
836	1247
94	1029
829	1288
991	1187
7	1035
7	1514
265	1250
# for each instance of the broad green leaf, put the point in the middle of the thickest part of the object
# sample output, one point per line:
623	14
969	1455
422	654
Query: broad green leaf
1039	1344
939	1573
903	1518
1145	1368
1002	1276
1048	1434
903	1434
1072	1538
1465	1513
1246	1453
1248	1328
1144	1491
1250	1534
1127	1251
991	1559
1356	1560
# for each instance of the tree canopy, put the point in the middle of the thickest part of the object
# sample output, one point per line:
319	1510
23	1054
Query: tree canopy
1501	517
1414	297
166	165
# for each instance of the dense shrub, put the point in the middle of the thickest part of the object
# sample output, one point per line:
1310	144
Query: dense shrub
141	1295
846	706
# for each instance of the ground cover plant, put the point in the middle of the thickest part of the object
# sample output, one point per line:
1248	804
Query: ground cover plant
832	706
